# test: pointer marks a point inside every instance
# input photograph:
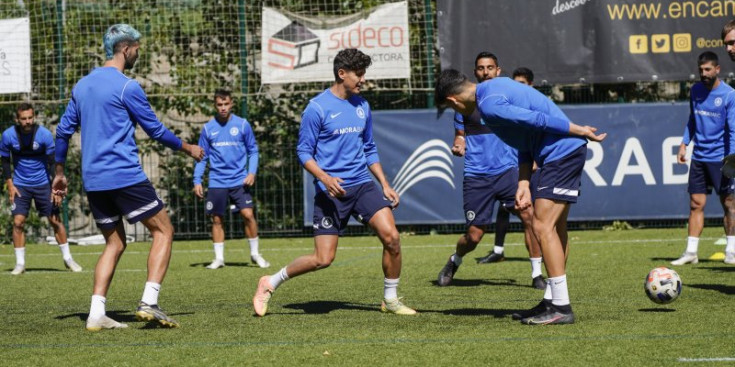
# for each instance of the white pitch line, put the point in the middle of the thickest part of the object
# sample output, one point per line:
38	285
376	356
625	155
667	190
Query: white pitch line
723	359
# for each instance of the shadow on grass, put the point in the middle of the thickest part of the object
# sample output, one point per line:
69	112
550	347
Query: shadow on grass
325	307
497	313
479	282
722	269
513	259
238	264
119	316
725	289
31	270
668	261
657	310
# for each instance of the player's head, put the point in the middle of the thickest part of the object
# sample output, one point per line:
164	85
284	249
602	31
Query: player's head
709	68
25	116
728	38
523	75
453	90
223	104
122	39
486	66
350	65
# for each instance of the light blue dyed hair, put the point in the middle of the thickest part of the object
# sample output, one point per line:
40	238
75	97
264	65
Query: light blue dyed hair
119	33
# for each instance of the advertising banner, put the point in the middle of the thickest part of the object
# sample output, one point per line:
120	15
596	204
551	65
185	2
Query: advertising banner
302	49
588	41
15	56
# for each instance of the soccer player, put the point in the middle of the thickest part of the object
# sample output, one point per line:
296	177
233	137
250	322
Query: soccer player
336	146
230	148
31	149
728	38
490	175
523	75
107	106
526	120
711	127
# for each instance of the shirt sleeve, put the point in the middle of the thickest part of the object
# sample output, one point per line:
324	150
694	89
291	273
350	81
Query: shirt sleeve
730	124
66	128
136	102
502	109
252	146
5	146
371	150
201	165
49	141
458	121
689	128
311	122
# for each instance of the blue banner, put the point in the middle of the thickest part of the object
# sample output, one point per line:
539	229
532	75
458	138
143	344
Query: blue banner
633	174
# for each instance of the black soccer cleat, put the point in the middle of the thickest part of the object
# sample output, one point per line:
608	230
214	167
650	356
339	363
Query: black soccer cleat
492	257
447	273
536	310
554	315
539	282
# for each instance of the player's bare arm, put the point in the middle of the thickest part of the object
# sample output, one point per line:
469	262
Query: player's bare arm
192	150
458	148
331	183
249	180
388	192
586	131
681	157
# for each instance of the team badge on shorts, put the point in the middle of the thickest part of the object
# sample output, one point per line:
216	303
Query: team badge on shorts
327	222
234	131
209	205
360	112
12	206
36	145
470	215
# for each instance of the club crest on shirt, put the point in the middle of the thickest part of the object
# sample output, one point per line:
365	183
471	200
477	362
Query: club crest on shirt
360	112
718	101
234	131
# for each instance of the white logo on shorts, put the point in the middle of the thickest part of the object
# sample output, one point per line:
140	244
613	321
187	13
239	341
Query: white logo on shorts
718	101
36	145
12	206
360	112
470	215
327	222
209	205
234	131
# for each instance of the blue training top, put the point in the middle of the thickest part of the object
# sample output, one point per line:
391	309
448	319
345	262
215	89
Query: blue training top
338	135
708	126
29	166
108	105
485	154
525	119
226	147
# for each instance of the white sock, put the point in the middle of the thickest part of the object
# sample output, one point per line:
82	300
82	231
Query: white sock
730	248
97	308
253	246
389	288
547	292
150	293
20	255
692	244
219	251
498	250
535	266
456	259
278	278
65	253
559	291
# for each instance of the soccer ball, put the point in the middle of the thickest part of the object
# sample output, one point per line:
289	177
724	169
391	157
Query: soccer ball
662	285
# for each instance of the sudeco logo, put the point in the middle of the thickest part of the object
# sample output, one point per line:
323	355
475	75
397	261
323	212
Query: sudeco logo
432	159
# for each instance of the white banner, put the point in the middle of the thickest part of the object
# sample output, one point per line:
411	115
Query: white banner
15	56
302	49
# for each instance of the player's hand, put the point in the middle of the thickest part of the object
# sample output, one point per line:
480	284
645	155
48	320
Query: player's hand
249	180
59	186
193	151
589	133
199	191
13	192
681	157
458	149
333	186
391	195
523	198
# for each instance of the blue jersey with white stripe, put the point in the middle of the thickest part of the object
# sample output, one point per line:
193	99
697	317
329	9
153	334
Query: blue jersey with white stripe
485	154
231	151
711	122
338	135
525	119
108	105
29	167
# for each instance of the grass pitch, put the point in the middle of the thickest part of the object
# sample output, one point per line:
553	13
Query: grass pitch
332	317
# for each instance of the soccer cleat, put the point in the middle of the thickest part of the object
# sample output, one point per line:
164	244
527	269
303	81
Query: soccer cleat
72	265
447	273
536	310
492	257
686	258
262	295
552	316
103	322
396	306
259	260
216	264
152	313
730	258
18	270
539	282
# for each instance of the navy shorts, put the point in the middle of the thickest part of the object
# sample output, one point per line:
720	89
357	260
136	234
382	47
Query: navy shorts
41	196
703	176
561	179
135	203
332	214
480	193
217	199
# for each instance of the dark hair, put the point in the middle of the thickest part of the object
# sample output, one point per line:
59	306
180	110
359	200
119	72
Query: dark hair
708	56
486	55
222	94
524	72
729	27
350	59
449	83
25	106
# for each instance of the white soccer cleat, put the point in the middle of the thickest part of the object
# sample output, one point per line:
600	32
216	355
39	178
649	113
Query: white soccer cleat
103	322
259	260
730	258
216	264
397	307
72	265
18	270
262	295
686	258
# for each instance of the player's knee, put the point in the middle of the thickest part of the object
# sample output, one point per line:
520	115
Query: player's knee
541	229
323	262
19	224
392	241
